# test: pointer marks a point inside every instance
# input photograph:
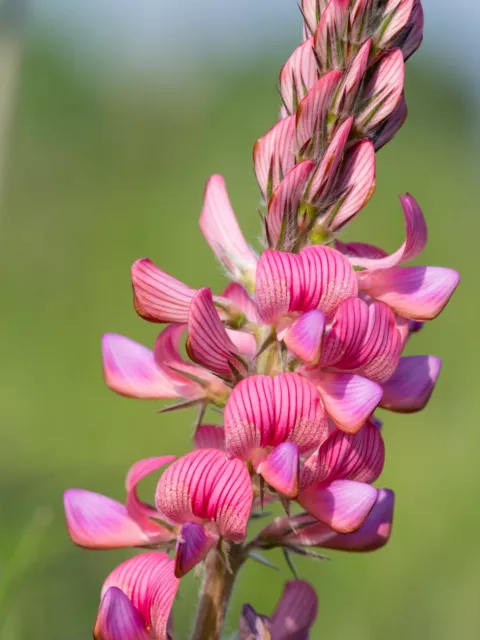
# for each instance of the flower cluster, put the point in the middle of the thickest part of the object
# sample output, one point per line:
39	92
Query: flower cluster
297	352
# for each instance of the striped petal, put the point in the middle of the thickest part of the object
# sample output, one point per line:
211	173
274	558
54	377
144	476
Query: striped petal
149	583
138	510
204	486
129	369
157	296
346	95
330	36
304	337
298	75
346	334
284	205
220	228
295	613
411	37
312	11
274	155
279	285
343	505
208	436
208	343
396	15
382	93
412	384
281	469
118	619
192	547
386	130
417	293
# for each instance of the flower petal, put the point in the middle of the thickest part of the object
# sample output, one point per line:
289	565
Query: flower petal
281	469
192	547
346	95
417	293
343	505
220	228
279	285
312	11
129	369
295	613
97	522
386	130
149	582
205	486
346	335
411	37
274	155
412	384
330	41
298	75
208	436
304	337
396	15
208	343
158	296
118	619
237	294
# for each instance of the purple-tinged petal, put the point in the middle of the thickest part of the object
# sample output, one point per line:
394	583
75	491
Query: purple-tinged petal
343	505
118	619
192	547
417	293
97	522
220	228
254	626
330	40
138	510
283	206
304	337
274	155
208	343
312	116
295	613
129	369
204	486
312	11
149	583
411	37
355	184
158	296
349	399
382	93
281	469
346	334
386	130
298	75
412	384
237	294
396	15
208	436
360	250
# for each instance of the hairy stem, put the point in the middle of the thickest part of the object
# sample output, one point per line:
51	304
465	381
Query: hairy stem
215	593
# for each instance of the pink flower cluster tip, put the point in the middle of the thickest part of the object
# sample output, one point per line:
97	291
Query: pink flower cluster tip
297	352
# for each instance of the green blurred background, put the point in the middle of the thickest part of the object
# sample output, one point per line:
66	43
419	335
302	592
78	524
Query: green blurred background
100	170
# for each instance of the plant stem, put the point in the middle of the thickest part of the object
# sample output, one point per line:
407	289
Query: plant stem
215	593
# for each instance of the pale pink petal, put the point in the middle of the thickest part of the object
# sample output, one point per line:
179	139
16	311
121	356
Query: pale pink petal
129	369
204	486
355	185
138	510
312	11
349	399
281	469
149	582
298	75
412	384
118	619
346	334
312	116
304	337
279	285
417	293
295	613
241	299
283	206
274	155
97	522
220	228
330	40
343	505
383	91
208	436
325	173
157	296
353	78
208	343
396	15
411	37
245	343
192	547
360	20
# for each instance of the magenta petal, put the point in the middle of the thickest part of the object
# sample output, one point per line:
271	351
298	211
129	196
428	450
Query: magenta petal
330	36
280	470
220	228
343	504
412	384
417	293
129	369
349	399
157	296
346	335
149	582
298	75
241	299
97	522
192	547
208	436
295	613
140	512
304	337
118	619
274	155
279	277
208	343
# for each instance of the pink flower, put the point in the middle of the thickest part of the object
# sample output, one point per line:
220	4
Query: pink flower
137	598
292	619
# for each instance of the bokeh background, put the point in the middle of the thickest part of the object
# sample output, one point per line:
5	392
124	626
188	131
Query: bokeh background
112	116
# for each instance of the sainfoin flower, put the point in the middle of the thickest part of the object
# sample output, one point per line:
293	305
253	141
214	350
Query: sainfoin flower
296	353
